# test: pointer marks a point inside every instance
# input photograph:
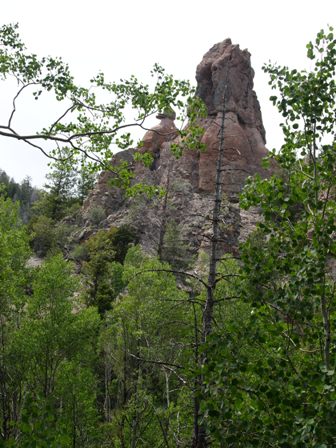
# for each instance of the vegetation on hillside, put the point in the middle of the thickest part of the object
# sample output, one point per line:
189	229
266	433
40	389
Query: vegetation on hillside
106	346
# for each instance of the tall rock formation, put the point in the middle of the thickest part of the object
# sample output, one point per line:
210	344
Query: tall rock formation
227	65
190	181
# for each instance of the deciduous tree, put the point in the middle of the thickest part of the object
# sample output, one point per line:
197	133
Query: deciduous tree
289	261
88	126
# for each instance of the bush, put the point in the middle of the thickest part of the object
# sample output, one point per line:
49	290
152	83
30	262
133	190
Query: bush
48	236
44	238
106	251
80	252
96	215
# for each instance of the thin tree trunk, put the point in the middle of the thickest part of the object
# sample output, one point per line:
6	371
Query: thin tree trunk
164	215
197	381
208	309
107	382
326	326
5	431
200	436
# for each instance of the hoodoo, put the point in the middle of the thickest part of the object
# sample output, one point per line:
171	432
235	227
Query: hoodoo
190	180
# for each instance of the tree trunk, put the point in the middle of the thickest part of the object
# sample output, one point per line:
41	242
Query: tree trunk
164	215
200	436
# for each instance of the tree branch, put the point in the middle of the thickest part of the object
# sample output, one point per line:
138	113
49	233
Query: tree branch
151	361
14	101
173	271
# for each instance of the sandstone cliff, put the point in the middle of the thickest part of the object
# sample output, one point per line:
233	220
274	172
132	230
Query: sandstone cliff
182	217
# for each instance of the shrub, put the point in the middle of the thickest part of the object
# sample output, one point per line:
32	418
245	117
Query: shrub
96	215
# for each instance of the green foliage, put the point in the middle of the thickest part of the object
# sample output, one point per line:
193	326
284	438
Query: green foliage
42	341
125	179
96	215
288	262
22	192
146	158
61	200
111	244
146	337
297	204
175	251
53	351
264	376
77	382
106	251
48	236
67	187
85	132
68	182
79	253
43	235
84	183
14	252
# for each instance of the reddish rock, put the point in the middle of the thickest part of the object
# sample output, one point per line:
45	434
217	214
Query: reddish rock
226	68
226	64
165	131
190	180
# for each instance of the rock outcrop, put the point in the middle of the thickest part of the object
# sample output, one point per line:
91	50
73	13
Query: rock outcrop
190	181
226	68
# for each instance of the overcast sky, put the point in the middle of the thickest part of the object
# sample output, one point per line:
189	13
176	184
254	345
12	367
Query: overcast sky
127	37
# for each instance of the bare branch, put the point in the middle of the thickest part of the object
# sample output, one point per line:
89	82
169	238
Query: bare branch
25	138
227	298
70	109
151	361
173	271
221	277
14	101
42	150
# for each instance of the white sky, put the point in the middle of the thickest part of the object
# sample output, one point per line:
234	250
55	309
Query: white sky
127	37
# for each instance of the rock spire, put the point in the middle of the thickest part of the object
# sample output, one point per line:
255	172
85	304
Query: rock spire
191	179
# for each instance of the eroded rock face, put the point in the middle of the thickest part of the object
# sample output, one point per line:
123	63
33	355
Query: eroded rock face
165	131
225	83
227	65
190	180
